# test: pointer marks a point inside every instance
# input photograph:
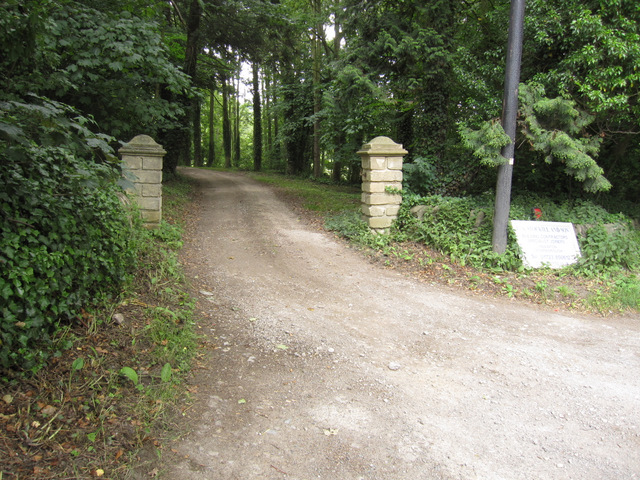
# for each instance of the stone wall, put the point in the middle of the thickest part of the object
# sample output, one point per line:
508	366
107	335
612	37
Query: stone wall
381	170
143	156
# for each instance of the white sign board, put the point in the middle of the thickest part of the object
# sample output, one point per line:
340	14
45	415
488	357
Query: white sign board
551	244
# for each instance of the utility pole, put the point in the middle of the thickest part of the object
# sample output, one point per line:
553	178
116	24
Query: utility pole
509	115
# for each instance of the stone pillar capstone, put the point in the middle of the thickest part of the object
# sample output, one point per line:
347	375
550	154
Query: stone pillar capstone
381	169
143	156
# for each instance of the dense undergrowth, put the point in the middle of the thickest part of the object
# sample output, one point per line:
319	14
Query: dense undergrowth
107	374
451	244
462	228
65	238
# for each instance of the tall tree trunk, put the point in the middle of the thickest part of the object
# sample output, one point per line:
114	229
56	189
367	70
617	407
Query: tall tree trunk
236	129
266	116
172	139
354	176
197	133
211	157
316	52
293	143
257	120
226	123
336	173
193	39
276	150
190	66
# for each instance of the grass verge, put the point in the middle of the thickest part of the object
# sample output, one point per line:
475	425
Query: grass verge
95	404
322	198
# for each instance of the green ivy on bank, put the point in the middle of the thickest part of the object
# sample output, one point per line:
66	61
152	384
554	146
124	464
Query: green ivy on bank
66	239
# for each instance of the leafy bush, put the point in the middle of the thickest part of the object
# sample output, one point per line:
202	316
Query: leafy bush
459	227
65	238
420	176
555	129
627	291
170	234
351	226
462	229
106	64
578	211
604	250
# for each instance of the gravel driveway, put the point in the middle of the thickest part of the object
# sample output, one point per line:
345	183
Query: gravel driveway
319	365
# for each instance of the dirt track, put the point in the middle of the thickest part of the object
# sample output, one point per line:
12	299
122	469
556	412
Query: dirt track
320	365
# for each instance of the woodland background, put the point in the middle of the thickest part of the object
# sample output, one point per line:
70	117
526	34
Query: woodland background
325	77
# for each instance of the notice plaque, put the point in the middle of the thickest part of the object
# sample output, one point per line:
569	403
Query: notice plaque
551	244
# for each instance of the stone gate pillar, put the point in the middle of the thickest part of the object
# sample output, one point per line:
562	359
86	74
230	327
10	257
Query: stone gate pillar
144	158
381	168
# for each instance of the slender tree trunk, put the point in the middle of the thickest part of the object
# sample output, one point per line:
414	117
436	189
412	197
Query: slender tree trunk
236	136
277	150
197	133
226	123
355	168
257	120
336	173
190	66
354	174
316	52
211	157
193	39
171	139
267	118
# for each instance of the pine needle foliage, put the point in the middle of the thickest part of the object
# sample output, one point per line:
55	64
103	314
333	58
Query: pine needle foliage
556	129
486	142
552	128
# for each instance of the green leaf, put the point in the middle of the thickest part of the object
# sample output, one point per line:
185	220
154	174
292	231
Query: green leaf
130	373
165	374
77	364
10	132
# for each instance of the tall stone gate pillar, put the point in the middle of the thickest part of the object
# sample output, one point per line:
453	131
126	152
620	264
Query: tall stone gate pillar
144	158
381	169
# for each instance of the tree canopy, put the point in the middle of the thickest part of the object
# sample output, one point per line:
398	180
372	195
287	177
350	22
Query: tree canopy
332	74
